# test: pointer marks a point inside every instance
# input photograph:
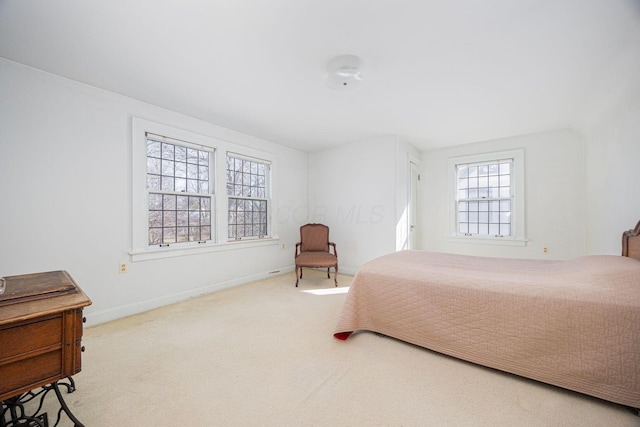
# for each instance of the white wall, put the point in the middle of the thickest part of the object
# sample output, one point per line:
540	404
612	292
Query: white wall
65	190
611	127
555	196
357	190
65	196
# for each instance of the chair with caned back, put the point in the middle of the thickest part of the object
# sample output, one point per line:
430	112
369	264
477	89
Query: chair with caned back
313	251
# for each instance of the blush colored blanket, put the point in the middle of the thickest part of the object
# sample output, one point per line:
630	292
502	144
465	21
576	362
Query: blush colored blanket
573	324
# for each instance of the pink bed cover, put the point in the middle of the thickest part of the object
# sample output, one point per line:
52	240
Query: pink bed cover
573	324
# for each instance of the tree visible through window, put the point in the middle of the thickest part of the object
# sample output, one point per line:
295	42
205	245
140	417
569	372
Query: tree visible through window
180	200
248	191
484	198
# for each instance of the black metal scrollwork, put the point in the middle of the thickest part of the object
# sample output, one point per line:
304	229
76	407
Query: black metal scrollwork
14	410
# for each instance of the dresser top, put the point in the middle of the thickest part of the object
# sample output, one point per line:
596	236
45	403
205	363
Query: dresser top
31	295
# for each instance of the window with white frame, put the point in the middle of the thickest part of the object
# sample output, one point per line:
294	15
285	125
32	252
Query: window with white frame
488	196
248	197
179	185
179	203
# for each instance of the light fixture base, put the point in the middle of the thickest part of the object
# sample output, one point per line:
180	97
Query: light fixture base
344	72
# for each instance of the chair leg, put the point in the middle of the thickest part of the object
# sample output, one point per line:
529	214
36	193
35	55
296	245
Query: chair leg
335	275
297	276
328	275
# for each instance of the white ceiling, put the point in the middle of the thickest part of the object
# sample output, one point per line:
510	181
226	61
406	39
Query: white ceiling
437	73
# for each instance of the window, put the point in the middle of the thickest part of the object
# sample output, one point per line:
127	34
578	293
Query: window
180	205
248	191
484	198
179	192
488	196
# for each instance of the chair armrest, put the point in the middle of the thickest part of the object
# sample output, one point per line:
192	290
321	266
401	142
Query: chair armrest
335	252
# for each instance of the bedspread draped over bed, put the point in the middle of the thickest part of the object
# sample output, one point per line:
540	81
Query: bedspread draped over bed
574	323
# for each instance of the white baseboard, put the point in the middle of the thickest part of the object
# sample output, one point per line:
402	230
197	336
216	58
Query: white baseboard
102	316
347	271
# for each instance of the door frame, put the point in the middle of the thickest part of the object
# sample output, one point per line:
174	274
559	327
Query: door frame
413	204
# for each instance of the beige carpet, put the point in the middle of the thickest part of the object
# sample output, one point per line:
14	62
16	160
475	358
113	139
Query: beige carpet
263	354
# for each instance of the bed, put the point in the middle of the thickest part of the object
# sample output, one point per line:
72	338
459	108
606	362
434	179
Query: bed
573	323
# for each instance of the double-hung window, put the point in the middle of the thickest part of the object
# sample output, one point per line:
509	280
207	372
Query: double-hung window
488	196
193	193
484	198
179	185
248	197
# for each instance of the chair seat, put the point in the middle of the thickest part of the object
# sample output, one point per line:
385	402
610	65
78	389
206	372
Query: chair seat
316	259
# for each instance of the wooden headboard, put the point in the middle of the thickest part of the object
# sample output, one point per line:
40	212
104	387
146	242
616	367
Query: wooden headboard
631	243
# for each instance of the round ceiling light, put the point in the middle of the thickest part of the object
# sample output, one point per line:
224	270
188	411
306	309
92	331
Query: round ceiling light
344	72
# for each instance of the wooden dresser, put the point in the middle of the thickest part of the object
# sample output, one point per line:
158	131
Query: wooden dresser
41	326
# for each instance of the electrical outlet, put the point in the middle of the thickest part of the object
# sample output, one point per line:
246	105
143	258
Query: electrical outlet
123	268
284	246
545	250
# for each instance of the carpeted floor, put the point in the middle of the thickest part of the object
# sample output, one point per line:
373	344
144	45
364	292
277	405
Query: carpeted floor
263	354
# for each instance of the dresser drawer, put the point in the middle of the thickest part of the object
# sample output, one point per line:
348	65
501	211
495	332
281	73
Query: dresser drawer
30	373
30	337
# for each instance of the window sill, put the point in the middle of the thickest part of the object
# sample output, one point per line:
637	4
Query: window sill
488	241
159	253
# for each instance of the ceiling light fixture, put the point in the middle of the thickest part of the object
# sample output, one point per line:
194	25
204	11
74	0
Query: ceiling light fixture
344	72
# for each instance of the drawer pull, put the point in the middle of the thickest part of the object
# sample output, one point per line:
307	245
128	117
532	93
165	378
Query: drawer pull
82	349
84	320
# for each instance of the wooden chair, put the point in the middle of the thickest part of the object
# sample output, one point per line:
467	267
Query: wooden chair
313	250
